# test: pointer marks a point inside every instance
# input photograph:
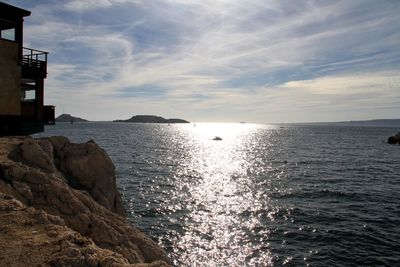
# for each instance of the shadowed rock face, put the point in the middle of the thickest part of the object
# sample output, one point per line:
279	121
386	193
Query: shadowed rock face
74	183
87	167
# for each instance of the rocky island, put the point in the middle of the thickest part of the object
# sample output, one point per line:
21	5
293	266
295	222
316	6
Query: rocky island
59	206
395	139
151	119
69	118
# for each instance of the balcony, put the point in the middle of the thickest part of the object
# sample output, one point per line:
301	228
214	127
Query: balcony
34	63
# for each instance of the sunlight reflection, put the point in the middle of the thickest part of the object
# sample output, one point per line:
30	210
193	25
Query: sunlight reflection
222	221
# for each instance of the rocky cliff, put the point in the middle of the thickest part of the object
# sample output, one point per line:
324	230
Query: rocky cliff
59	206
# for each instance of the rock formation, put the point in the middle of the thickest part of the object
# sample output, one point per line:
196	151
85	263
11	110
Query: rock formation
395	139
69	118
59	206
151	119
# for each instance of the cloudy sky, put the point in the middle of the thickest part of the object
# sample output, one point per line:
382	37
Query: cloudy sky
220	60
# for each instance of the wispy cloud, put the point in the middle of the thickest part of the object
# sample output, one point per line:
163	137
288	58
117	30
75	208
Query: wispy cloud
79	5
220	60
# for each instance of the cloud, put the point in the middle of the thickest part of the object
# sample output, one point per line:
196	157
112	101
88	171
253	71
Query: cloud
232	57
378	83
83	5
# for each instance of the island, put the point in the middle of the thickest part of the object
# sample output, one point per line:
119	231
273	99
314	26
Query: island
365	123
151	119
371	123
69	118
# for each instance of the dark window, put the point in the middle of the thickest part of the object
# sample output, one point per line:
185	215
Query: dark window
8	34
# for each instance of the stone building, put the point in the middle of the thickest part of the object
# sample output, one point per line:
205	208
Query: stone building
22	74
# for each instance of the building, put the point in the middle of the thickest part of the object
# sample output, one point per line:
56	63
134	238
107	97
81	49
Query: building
22	74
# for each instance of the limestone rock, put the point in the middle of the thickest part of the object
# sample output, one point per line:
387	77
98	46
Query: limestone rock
34	155
31	237
76	191
88	167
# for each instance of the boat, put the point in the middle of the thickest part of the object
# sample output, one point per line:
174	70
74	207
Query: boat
217	138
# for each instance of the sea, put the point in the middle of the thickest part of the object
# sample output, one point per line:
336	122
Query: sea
264	195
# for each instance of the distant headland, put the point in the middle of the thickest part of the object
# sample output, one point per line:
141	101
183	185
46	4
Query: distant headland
151	119
377	122
69	118
368	123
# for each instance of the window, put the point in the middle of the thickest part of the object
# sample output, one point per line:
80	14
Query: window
8	34
28	95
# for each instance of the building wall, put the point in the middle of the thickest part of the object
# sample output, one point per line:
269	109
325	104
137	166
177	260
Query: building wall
10	79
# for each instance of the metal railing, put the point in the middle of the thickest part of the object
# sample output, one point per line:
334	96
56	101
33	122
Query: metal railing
34	58
34	54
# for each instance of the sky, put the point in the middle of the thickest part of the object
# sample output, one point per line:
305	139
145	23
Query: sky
260	61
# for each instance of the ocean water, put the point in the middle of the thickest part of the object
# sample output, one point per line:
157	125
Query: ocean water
262	196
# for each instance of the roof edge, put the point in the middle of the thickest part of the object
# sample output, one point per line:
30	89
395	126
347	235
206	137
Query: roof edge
6	8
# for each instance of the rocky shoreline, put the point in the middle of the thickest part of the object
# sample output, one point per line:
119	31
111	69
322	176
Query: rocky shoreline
59	206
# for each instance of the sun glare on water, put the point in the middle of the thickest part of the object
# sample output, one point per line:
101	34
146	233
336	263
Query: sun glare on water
219	225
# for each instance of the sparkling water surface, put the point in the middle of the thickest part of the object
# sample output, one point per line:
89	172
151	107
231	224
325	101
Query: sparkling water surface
262	196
